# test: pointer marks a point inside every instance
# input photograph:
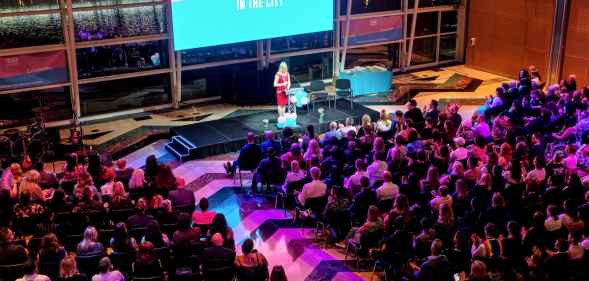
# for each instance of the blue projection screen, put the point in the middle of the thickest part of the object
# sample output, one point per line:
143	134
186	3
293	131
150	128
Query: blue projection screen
204	23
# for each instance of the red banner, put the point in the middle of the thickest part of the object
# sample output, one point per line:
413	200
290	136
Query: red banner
32	70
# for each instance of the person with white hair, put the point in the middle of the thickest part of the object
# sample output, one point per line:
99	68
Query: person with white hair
282	84
316	188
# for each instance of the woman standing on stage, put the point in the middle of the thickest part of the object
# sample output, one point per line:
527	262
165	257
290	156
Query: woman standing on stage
282	84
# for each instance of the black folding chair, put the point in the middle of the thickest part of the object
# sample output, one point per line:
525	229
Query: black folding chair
343	88
88	264
11	271
317	93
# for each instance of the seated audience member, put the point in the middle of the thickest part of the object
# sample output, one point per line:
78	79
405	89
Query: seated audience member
30	184
137	180
269	170
441	197
373	223
10	251
106	272
109	176
204	216
26	208
220	226
460	153
51	252
30	273
377	168
270	142
295	154
337	214
154	235
47	179
362	201
119	200
165	181
278	274
185	234
182	197
166	213
90	246
295	174
249	156
316	188
123	173
387	190
353	182
436	267
68	270
121	242
217	255
147	264
141	218
251	265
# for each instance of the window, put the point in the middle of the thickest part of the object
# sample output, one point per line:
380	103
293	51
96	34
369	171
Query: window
370	6
108	60
308	67
427	24
432	3
124	94
386	56
220	53
21	108
9	6
449	21
448	47
31	30
114	23
98	3
302	42
424	50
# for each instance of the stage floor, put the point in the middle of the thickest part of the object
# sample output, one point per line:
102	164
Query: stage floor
228	134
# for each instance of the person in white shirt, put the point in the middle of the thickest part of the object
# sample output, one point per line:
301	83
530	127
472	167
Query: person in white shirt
107	188
384	124
295	174
377	168
30	273
538	174
353	182
316	188
348	126
442	197
460	153
106	272
388	190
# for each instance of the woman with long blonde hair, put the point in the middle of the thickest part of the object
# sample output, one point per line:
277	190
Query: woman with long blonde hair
282	84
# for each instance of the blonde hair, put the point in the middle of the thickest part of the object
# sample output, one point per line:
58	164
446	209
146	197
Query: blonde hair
68	267
283	67
137	180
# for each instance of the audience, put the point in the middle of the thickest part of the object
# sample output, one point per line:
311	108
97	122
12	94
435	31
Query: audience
106	272
204	216
251	265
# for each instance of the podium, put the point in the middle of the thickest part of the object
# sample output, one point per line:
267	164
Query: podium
297	97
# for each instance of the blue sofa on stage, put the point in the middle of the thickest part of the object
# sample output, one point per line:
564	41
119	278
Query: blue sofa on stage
368	80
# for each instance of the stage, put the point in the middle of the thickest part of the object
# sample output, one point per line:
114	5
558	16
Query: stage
228	134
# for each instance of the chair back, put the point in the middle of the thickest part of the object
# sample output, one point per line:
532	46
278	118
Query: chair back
137	233
49	268
121	215
88	264
219	274
151	278
185	209
316	205
343	84
11	272
384	206
123	260
371	239
163	254
317	86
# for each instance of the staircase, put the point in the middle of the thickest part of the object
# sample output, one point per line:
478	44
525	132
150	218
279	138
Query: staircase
180	147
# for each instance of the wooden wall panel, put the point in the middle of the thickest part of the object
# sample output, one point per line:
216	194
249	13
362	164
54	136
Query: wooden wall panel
576	51
510	34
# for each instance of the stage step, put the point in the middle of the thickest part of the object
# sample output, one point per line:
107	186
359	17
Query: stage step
180	147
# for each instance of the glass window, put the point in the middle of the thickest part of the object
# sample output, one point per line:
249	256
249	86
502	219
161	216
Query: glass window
21	108
32	30
448	47
114	23
124	94
308	67
10	6
449	22
386	56
370	6
424	50
98	3
427	24
236	83
220	53
108	60
302	42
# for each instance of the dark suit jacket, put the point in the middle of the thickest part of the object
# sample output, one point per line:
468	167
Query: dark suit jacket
181	197
12	253
139	220
218	257
435	269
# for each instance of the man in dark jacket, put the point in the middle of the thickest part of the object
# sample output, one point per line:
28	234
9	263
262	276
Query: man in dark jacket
10	252
182	197
219	260
436	267
141	218
269	170
362	201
